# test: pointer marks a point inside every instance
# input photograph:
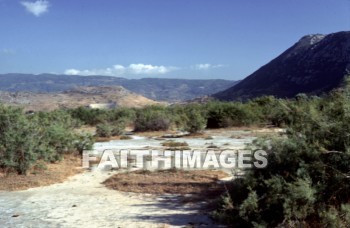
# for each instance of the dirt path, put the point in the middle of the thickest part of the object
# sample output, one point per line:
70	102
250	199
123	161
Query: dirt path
82	201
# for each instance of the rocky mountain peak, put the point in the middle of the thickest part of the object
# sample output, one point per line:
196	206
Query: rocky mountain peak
314	65
304	43
311	39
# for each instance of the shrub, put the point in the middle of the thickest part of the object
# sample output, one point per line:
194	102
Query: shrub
25	139
306	182
110	129
224	114
83	142
152	119
125	114
17	141
104	130
91	116
195	121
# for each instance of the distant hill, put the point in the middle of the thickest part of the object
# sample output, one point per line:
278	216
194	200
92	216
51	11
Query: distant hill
153	88
95	97
315	64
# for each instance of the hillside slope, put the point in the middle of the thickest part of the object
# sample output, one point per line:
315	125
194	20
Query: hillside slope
315	64
80	96
153	88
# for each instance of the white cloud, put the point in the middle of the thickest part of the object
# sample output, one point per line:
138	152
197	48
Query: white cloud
37	8
206	66
118	70
202	66
72	72
148	69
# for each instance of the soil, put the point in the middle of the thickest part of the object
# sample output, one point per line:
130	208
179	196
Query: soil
201	182
42	175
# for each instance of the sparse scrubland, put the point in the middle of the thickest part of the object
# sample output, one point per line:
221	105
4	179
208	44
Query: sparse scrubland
28	139
306	182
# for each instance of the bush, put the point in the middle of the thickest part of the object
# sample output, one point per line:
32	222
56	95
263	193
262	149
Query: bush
104	130
83	142
125	114
152	118
91	116
306	182
17	141
224	114
25	139
195	121
110	129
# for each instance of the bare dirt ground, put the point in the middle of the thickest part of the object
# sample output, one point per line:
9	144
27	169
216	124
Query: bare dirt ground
168	182
42	174
82	201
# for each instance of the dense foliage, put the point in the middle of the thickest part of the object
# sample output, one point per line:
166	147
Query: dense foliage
110	129
27	138
189	117
307	181
153	118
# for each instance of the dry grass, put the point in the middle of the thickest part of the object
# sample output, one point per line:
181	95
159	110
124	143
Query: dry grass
201	182
53	173
125	137
155	133
171	143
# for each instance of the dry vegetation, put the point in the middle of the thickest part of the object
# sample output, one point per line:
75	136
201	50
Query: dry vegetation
171	143
156	133
203	182
81	96
42	175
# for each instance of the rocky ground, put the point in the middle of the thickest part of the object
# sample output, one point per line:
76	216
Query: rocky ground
82	201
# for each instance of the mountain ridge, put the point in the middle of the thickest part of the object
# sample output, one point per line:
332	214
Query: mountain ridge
314	65
162	89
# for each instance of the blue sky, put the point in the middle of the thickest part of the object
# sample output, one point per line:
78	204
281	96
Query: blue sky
226	39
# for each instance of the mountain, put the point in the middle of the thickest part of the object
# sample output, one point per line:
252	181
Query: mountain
314	65
95	97
153	88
